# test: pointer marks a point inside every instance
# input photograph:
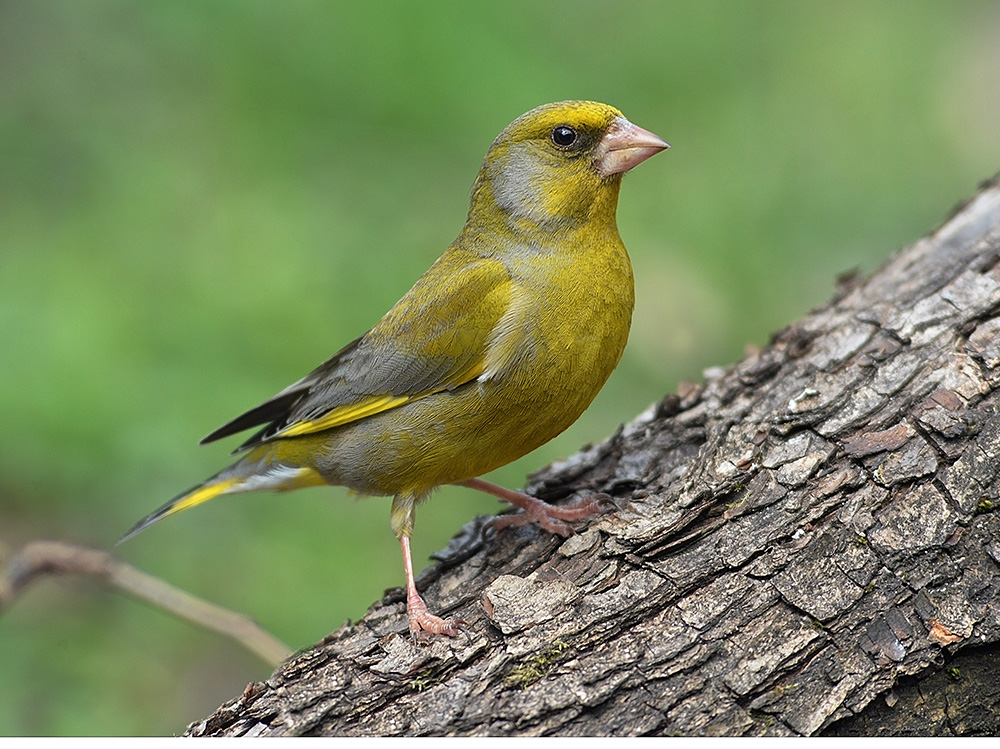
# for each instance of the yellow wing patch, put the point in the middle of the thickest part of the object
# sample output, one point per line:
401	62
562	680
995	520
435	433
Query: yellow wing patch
372	405
345	414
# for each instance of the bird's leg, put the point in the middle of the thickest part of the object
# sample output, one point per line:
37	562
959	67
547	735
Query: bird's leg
422	621
549	517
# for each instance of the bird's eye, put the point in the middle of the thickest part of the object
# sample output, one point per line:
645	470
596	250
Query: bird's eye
564	136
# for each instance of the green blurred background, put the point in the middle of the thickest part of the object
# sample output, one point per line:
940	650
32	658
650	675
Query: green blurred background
202	200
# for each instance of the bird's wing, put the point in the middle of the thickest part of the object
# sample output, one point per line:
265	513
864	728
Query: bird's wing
436	338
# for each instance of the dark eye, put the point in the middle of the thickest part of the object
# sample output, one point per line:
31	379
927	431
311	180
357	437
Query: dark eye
564	136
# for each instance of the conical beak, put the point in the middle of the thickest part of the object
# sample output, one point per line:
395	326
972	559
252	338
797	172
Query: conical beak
624	146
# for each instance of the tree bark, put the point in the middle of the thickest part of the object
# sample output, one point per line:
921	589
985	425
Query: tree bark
806	543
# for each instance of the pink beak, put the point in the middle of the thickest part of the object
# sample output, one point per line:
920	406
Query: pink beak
624	146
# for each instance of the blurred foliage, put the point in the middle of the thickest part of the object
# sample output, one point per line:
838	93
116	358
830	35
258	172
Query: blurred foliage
201	200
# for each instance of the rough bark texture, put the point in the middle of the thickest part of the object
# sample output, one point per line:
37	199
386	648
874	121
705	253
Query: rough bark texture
806	543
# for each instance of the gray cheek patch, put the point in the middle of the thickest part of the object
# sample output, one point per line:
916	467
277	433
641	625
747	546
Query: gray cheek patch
515	186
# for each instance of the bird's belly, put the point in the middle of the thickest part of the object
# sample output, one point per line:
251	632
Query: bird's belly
452	436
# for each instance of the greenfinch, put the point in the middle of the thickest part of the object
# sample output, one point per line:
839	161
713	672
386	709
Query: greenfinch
496	349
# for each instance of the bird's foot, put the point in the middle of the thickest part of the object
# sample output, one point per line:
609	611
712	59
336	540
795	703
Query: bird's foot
549	517
552	517
424	624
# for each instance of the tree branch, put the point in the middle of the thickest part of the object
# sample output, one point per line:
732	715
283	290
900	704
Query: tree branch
809	531
40	558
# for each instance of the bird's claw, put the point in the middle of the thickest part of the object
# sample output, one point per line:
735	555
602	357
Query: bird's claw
424	624
551	517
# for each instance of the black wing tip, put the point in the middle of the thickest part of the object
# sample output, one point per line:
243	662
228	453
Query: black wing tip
210	438
235	426
227	429
270	413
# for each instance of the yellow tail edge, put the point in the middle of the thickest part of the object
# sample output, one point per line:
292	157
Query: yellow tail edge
187	500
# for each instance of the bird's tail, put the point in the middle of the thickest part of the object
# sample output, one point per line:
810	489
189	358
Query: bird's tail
194	496
249	474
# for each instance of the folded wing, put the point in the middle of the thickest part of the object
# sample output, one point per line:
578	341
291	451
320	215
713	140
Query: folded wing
425	344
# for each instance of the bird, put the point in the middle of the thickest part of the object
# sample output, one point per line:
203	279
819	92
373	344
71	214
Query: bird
497	348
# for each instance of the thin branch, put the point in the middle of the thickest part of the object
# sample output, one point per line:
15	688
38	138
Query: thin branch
40	558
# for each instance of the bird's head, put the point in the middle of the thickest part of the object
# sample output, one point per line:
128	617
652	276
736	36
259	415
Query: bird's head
559	166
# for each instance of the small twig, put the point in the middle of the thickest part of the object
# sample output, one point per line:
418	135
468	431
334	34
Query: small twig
40	558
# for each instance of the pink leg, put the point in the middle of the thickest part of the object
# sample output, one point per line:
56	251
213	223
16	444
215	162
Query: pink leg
547	516
422	621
